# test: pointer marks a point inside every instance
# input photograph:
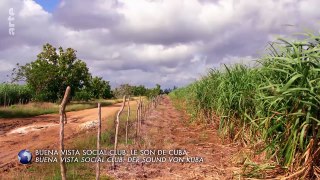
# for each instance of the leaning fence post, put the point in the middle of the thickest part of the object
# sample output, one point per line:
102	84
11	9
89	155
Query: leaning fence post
62	113
127	120
98	141
117	130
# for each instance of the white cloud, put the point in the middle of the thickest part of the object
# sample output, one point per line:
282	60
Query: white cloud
170	42
30	9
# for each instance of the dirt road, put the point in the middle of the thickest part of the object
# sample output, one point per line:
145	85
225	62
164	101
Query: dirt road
43	132
168	129
165	129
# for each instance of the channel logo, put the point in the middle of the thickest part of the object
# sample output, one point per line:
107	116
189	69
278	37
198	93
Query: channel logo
24	156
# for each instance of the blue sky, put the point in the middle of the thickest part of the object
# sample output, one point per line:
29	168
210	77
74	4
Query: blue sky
48	5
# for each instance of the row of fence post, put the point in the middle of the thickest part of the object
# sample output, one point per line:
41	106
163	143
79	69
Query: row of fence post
142	113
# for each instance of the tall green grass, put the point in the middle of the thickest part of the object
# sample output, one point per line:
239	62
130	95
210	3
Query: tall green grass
14	93
277	102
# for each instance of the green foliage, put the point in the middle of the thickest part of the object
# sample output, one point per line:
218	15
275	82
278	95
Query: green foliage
127	89
52	72
122	90
167	91
14	93
277	102
100	88
96	89
154	92
139	90
82	95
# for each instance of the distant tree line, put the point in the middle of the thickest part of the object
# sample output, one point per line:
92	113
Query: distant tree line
127	89
169	90
132	90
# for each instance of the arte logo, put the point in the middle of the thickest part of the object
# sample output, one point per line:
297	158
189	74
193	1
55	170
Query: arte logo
11	22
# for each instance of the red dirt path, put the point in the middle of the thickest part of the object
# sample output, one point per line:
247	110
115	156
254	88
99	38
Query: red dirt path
42	136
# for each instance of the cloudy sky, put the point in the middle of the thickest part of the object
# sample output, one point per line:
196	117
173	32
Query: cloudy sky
170	42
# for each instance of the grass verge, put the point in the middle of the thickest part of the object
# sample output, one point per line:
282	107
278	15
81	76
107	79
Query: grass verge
35	109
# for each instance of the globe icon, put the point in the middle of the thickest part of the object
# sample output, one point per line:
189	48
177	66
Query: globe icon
25	156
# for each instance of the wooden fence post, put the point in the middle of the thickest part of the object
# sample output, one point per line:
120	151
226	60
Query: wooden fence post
128	120
98	141
140	115
117	131
137	120
62	113
144	111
